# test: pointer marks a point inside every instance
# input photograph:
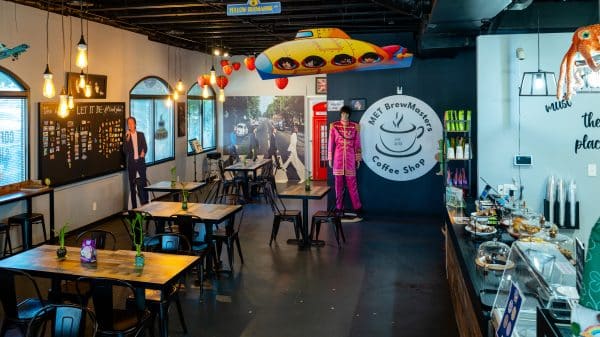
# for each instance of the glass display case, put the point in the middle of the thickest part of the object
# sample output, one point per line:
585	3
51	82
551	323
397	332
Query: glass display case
546	279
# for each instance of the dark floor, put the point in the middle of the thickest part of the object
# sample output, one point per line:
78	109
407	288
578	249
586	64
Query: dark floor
387	280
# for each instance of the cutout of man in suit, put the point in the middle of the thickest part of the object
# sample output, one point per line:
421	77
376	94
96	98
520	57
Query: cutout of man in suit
135	149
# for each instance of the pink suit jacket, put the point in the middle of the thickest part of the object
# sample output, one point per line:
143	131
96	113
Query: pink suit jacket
344	147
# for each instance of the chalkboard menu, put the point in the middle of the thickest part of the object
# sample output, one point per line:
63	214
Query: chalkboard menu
85	144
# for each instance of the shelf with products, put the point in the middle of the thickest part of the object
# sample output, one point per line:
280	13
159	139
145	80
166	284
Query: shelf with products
457	150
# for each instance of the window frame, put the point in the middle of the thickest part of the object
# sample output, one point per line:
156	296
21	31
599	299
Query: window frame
153	98
212	97
24	94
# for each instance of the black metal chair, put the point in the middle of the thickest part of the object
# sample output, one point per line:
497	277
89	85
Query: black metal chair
331	216
258	184
26	222
169	243
4	228
63	321
114	315
281	213
229	185
18	309
140	183
228	235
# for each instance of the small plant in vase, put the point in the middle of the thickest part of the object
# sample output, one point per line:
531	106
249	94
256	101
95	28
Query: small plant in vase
184	198
61	251
307	182
173	176
137	234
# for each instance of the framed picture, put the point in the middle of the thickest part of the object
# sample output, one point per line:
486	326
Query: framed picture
195	144
358	104
321	85
97	85
181	125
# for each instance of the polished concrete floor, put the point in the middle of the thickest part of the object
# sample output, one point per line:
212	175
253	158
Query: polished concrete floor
387	280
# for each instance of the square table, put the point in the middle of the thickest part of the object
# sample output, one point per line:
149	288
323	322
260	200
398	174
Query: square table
165	186
297	191
209	213
159	272
250	166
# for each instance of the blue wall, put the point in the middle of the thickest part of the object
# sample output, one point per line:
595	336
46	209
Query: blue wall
442	83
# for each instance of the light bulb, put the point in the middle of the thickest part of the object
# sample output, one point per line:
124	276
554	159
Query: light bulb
225	54
88	89
63	110
205	91
538	82
82	60
179	85
221	95
175	95
70	102
169	102
48	90
81	82
217	52
213	76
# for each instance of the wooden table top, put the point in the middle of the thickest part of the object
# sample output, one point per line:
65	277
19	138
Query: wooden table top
297	191
250	165
165	186
159	269
206	212
23	194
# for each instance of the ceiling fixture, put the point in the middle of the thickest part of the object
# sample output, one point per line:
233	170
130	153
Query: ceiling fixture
82	58
49	91
70	98
538	83
179	86
63	109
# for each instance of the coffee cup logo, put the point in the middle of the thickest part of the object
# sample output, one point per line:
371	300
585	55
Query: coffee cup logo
399	139
399	136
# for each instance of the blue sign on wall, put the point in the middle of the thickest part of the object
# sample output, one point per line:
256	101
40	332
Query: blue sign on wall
254	7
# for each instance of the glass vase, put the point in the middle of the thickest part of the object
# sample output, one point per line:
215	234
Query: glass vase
139	260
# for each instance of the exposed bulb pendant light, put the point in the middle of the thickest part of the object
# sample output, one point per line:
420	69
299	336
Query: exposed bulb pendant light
179	86
70	102
88	90
175	95
81	82
169	101
213	75
205	91
221	95
70	98
82	59
63	109
48	90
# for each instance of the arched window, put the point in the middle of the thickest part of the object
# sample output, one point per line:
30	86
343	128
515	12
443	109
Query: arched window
14	106
153	111
202	121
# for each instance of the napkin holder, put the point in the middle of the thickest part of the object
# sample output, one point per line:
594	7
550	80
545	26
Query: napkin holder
88	251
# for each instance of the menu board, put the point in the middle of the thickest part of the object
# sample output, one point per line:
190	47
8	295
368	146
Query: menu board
86	144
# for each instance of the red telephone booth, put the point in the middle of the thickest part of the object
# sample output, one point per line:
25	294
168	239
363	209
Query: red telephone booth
320	134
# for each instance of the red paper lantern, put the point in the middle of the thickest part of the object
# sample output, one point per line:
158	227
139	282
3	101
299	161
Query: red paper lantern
236	66
281	82
249	62
224	63
227	69
222	81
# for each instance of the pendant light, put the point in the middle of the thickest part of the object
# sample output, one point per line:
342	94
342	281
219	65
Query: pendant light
81	82
49	91
175	95
538	83
213	75
88	89
82	59
179	86
63	109
70	98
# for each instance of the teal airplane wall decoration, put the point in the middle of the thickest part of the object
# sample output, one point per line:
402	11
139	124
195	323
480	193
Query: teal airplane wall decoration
14	53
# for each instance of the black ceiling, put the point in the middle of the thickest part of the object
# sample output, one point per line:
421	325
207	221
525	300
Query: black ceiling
204	25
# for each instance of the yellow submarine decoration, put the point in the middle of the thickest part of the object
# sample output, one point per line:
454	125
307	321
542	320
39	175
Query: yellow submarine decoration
327	50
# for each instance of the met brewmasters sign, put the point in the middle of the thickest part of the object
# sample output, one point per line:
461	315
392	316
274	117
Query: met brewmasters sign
254	7
399	136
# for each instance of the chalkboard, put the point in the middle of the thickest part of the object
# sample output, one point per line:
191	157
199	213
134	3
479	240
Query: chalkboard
85	144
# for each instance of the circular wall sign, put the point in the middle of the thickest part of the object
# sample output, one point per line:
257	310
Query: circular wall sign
399	137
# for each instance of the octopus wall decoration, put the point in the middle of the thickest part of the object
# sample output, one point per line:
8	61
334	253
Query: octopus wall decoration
586	42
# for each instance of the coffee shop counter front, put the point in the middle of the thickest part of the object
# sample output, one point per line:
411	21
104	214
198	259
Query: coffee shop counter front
472	289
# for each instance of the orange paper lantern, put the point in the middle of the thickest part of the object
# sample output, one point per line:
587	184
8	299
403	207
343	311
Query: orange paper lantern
249	62
224	63
281	82
204	80
227	69
236	66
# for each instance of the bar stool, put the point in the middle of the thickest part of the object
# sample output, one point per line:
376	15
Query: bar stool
4	228
26	221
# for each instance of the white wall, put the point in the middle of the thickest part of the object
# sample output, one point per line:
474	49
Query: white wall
125	57
548	136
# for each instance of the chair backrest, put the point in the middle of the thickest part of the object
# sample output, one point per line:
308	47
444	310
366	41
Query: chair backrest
170	243
9	278
100	236
102	293
65	321
273	199
212	190
140	183
186	223
234	199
